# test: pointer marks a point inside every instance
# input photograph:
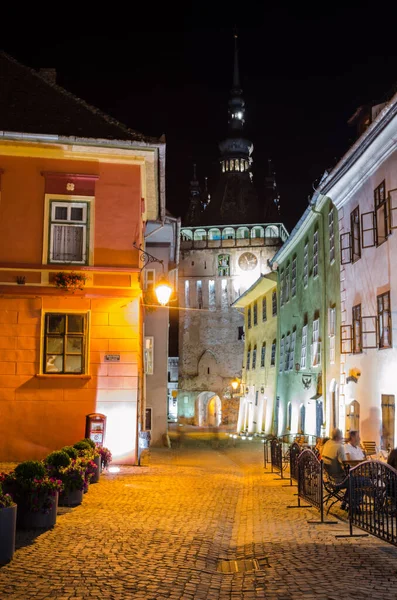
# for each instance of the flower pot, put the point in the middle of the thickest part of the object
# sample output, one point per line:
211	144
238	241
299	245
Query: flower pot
8	520
28	519
95	477
72	498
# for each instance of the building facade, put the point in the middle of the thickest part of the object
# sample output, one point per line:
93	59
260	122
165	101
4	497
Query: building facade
363	188
161	241
258	384
226	244
76	191
308	398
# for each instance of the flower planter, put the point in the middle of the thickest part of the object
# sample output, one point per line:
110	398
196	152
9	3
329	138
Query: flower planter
95	477
72	498
8	519
28	519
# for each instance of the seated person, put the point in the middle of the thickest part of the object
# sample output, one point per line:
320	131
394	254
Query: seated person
352	447
333	455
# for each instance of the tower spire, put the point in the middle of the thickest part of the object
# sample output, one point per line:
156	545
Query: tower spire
236	102
236	73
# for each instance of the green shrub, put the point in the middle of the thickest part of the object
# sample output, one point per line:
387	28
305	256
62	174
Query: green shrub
83	445
58	459
90	442
71	452
30	469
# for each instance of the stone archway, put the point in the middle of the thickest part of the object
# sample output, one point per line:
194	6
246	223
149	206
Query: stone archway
208	410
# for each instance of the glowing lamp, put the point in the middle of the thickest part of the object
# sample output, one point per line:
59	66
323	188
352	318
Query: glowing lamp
163	291
235	384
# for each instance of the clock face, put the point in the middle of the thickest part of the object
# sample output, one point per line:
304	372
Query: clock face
247	261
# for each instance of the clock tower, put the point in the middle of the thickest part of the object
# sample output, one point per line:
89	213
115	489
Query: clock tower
226	245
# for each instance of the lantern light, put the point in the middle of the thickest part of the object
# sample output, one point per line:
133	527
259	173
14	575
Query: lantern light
235	384
163	291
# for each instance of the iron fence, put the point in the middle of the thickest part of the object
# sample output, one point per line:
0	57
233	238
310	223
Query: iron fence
276	453
294	452
266	450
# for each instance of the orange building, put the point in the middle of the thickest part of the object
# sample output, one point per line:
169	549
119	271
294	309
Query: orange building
76	189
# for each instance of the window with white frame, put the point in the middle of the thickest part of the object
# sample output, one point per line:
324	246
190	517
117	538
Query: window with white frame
187	293
293	277
315	253
316	344
281	364
286	351
306	264
65	343
291	357
69	233
150	279
304	348
331	235
332	333
384	320
149	355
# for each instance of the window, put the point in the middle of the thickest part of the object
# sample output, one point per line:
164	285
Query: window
289	415
384	321
150	279
256	397
331	235
388	421
274	303
293	277
255	313
286	352
291	358
228	233
316	344
254	358
148	356
287	282
249	317
273	355
357	329
382	214
65	343
355	234
148	419
306	264
315	253
224	265
304	348
248	358
240	334
211	295
281	287
302	419
224	296
281	364
332	333
187	293
68	232
263	355
199	290
264	309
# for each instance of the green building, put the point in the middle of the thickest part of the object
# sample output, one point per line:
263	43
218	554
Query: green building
308	352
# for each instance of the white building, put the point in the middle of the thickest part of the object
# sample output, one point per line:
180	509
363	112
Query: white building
363	187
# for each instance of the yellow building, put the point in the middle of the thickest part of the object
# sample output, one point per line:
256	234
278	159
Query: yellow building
258	386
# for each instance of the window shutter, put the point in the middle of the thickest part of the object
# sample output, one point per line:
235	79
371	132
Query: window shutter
345	248
346	339
368	229
369	332
392	201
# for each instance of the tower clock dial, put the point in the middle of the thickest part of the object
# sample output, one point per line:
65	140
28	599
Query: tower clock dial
247	261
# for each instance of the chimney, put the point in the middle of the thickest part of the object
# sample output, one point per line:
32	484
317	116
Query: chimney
48	74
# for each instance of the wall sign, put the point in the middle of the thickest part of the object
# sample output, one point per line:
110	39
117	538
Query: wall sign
112	357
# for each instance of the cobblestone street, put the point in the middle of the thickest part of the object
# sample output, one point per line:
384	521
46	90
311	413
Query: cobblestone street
158	532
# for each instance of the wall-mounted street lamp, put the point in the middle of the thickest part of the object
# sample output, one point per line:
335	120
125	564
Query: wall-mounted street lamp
235	384
163	288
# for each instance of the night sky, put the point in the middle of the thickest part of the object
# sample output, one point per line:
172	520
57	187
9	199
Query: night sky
168	69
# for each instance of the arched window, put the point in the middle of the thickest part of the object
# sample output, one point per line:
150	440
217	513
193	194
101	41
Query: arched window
214	233
289	415
228	233
248	358
271	231
232	165
302	419
200	235
237	165
243	233
254	358
227	165
223	166
257	232
242	165
186	235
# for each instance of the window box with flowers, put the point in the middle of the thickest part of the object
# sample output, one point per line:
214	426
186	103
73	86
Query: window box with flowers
70	281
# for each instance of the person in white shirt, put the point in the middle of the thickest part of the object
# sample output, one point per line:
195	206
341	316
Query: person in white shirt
352	447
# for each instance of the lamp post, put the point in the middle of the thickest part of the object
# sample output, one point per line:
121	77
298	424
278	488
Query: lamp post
163	289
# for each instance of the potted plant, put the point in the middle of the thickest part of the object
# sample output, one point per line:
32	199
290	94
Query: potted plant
70	281
86	460
106	457
97	459
8	519
36	494
72	475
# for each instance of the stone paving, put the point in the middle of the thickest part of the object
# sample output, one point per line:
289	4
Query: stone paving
158	532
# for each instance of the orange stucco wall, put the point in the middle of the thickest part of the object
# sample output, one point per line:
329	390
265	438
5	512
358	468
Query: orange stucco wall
39	414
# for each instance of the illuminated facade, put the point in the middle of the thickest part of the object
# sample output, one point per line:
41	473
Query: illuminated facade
226	244
258	384
76	191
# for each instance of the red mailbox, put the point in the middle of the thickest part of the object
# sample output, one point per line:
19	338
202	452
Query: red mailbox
95	428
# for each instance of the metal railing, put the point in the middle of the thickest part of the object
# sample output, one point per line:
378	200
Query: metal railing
277	459
266	450
294	452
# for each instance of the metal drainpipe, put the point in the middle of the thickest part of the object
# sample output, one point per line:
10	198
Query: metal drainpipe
324	302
